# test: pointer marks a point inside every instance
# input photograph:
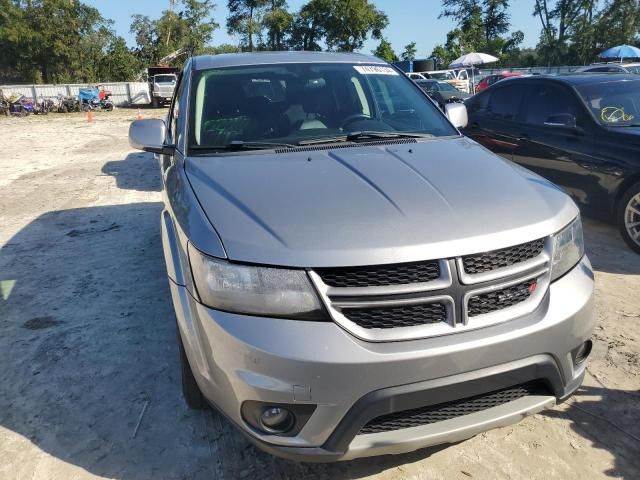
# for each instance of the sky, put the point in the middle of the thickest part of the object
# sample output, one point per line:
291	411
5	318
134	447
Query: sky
409	20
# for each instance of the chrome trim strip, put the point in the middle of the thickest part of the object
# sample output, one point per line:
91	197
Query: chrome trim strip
388	303
439	284
390	334
518	268
400	333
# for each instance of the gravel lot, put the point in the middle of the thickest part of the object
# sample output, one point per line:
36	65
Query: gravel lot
87	340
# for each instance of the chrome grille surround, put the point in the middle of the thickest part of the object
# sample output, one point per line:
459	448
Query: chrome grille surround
454	288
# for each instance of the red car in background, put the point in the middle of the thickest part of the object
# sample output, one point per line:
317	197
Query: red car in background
486	82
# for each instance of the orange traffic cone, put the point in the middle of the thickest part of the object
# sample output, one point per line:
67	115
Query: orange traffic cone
89	116
139	116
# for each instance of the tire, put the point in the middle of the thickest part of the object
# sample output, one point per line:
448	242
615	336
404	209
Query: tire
628	217
190	389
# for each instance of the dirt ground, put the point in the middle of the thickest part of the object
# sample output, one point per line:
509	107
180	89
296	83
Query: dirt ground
89	376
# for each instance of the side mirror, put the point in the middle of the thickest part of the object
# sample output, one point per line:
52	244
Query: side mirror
562	120
149	135
457	114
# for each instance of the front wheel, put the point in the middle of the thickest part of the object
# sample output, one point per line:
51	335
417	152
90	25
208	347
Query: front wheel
628	217
190	389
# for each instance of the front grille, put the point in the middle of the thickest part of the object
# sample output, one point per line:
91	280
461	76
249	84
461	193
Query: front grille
453	409
399	316
380	275
500	299
505	257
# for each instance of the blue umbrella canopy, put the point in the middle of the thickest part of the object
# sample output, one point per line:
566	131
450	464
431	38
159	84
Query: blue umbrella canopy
621	51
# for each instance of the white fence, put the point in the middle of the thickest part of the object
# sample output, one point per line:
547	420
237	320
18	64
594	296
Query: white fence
124	93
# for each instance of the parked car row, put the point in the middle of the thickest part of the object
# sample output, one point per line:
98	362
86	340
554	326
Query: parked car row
580	131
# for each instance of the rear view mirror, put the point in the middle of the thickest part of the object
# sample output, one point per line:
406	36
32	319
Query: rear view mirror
562	120
149	135
457	114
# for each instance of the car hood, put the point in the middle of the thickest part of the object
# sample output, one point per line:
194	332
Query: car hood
380	204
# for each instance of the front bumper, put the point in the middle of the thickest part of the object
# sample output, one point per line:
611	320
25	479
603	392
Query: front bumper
237	358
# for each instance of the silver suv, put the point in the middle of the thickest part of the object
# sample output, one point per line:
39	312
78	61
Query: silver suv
351	276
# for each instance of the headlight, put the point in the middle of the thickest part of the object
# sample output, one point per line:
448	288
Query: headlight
568	249
263	291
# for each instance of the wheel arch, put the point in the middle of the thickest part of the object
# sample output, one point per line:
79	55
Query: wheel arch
623	188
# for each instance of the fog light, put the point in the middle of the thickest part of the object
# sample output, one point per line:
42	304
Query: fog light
282	419
276	419
582	352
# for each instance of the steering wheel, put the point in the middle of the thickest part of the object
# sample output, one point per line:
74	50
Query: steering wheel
353	118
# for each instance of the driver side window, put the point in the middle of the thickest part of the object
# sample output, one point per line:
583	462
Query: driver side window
547	101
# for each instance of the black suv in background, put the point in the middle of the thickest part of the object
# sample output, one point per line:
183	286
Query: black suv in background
581	131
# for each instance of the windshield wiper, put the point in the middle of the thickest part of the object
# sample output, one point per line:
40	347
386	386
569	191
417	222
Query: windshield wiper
241	145
364	134
624	125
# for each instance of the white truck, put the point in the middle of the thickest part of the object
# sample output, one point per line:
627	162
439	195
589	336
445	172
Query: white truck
162	83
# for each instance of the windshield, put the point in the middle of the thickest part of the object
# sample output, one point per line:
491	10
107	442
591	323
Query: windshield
293	103
633	69
613	103
446	87
165	79
428	86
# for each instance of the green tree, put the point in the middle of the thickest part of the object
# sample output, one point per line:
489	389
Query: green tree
277	21
410	52
452	49
560	21
341	25
310	25
385	51
482	23
244	19
350	23
189	30
15	39
143	29
51	40
119	64
196	16
222	48
618	23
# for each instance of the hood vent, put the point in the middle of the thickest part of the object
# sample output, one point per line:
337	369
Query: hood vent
333	146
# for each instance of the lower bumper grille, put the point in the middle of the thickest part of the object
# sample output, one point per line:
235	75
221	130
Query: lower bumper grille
453	409
398	316
500	299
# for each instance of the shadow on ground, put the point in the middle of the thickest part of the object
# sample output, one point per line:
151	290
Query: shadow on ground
139	171
88	338
609	419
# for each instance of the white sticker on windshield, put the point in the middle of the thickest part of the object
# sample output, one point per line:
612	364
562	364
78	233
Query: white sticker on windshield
374	70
